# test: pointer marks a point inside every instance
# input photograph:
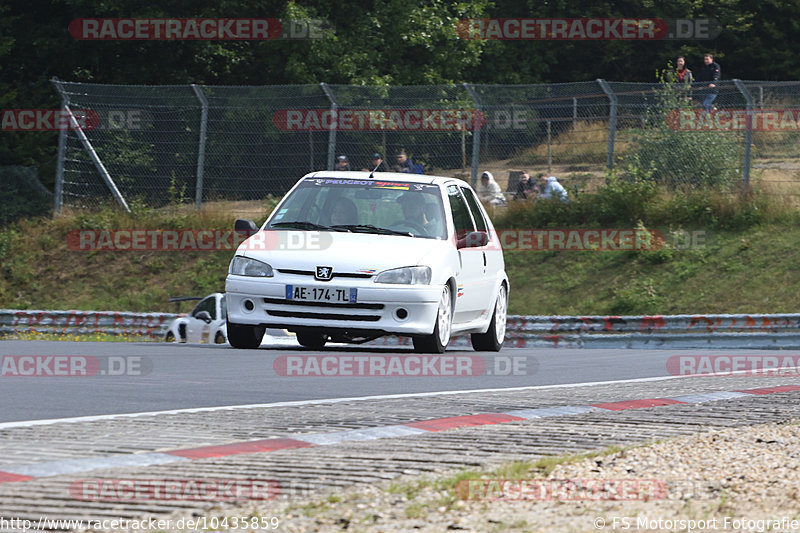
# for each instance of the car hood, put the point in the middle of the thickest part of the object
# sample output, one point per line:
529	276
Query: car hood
345	252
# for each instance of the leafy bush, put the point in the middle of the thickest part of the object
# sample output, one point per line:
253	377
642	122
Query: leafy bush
684	159
627	201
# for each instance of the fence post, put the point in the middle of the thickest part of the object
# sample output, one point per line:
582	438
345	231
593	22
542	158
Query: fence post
574	110
201	150
748	133
612	121
58	197
549	152
73	122
311	151
476	135
334	123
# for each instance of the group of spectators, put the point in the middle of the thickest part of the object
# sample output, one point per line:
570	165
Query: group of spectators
404	164
546	187
708	77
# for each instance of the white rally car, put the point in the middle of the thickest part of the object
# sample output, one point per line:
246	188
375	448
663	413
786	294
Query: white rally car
352	256
205	324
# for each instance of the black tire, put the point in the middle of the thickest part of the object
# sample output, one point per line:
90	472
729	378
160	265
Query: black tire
245	336
437	341
313	340
493	339
169	337
219	338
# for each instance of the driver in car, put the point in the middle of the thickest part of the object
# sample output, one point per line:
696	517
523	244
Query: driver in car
343	212
413	206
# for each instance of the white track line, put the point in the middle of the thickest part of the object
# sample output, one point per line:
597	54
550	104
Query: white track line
298	403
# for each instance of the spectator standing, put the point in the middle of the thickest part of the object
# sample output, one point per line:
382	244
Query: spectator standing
682	73
406	165
342	163
378	165
489	191
709	75
683	76
551	188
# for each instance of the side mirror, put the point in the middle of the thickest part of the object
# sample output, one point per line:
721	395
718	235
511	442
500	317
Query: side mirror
473	239
245	227
204	316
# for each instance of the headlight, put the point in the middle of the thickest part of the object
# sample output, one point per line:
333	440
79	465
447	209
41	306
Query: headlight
416	275
244	266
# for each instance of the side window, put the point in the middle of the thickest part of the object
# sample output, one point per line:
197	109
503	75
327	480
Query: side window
435	216
477	214
458	207
209	304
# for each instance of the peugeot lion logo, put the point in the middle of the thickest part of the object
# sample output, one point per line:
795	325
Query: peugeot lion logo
324	273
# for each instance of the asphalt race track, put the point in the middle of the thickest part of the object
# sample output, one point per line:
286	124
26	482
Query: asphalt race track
170	376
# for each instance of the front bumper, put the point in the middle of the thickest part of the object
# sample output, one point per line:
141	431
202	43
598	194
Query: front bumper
379	308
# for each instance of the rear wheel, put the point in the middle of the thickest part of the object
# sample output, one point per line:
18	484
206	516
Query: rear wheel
312	340
170	337
495	336
219	338
245	335
437	341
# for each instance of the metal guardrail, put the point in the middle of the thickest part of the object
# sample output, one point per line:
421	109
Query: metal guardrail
753	331
656	323
85	322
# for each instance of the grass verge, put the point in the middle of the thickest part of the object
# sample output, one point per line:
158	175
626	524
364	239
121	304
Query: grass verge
722	254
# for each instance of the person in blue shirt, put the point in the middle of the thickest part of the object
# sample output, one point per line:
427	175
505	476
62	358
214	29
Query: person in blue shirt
551	188
406	165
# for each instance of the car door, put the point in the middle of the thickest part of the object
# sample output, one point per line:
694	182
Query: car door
197	330
491	254
469	300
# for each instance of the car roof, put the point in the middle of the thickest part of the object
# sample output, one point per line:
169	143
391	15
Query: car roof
393	176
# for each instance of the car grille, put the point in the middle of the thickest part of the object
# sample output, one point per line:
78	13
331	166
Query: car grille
324	316
279	307
356	275
281	301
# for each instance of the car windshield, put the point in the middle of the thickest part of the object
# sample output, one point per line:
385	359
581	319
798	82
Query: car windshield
363	206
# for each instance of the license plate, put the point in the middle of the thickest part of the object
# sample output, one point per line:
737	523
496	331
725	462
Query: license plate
321	294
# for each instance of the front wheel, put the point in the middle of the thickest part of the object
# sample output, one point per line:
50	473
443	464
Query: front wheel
495	336
311	339
245	336
437	341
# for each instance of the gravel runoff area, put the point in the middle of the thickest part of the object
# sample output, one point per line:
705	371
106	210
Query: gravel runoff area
738	479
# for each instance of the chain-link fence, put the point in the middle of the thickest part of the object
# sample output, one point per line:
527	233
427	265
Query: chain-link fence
159	144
